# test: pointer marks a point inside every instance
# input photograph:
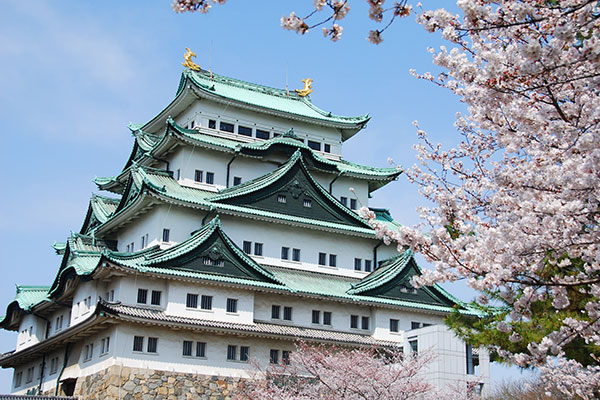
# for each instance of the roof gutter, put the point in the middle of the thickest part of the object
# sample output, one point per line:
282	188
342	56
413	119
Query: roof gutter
62	369
375	254
335	179
237	152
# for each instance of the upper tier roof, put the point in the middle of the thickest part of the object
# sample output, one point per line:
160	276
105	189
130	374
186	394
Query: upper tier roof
255	97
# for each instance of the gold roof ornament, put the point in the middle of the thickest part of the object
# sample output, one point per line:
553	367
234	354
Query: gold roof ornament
188	60
307	89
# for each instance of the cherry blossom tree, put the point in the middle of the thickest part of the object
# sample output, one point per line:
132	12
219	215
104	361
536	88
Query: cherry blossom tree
328	372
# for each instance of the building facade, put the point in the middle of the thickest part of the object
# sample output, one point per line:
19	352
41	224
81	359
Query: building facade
230	233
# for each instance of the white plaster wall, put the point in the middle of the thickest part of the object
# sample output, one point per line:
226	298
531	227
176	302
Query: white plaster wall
381	322
188	159
66	320
129	285
79	311
35	325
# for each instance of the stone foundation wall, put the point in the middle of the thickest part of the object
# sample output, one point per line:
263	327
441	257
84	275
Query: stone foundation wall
123	383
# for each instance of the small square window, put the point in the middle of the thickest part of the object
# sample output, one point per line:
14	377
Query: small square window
226	127
231	352
152	344
316	316
142	296
198	176
322	258
275	311
138	343
247	247
364	323
281	198
353	204
332	260
285	253
187	347
314	145
344	201
296	254
394	325
244	353
285	357
358	264
192	124
212	124
191	301
367	265
237	180
166	234
326	317
210	178
307	203
200	349
155	299
232	305
244	130
414	346
327	148
262	134
354	321
287	313
206	302
274	356
415	325
258	249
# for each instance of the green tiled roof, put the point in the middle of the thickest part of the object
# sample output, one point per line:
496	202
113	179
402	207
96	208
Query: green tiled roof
29	296
388	270
383	215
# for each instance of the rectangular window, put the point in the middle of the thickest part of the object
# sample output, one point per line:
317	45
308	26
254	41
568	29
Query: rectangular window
470	367
357	264
327	148
274	356
226	127
326	317
237	180
364	323
353	204
198	176
138	343
132	245
281	198
244	130
414	346
187	348
322	258
18	378
314	145
56	328
367	265
354	321
275	311
247	247
332	260
200	349
142	297
191	301
394	325
206	302
111	296
155	299
307	203
258	249
296	254
152	344
232	305
285	253
166	234
143	242
287	313
426	324
210	178
316	316
285	357
262	134
344	201
244	353
415	325
29	374
212	124
192	124
231	352
178	173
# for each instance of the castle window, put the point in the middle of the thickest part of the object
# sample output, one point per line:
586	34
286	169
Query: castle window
226	127
285	253
358	264
414	346
206	302
155	298
287	313
88	352
191	301
368	265
105	345
138	343
296	254
326	317
231	353
237	180
247	247
142	296
262	134
210	178
187	348
354	321
307	203
178	173
314	145
212	124
322	258
232	305
59	323
192	124
198	176
285	357
166	234
132	245
327	148
152	344
332	260
18	378
258	249
200	349
281	198
353	204
30	371
244	130
364	323
316	316
274	356
344	201
53	365
415	325
244	353
275	311
394	325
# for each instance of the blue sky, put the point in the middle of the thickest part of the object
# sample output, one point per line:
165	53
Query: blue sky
73	74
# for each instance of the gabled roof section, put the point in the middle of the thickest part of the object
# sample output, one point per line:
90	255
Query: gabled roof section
392	280
209	250
291	190
26	298
100	209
